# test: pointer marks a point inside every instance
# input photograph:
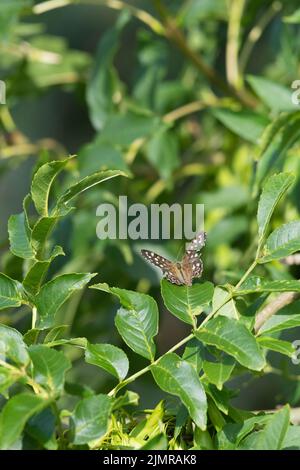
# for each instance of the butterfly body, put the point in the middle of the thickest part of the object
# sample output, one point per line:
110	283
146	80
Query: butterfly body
181	273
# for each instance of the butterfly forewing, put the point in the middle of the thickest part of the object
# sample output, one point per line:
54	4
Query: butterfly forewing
168	268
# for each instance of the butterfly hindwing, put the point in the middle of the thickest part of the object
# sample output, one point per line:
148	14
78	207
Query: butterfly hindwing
198	242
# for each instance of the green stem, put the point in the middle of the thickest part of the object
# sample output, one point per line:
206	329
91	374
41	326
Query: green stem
232	47
176	36
142	15
34	317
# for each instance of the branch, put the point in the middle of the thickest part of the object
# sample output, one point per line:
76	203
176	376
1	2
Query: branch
273	307
256	32
232	47
293	260
175	35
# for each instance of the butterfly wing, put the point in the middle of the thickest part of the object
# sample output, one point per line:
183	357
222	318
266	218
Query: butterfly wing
192	266
198	242
169	269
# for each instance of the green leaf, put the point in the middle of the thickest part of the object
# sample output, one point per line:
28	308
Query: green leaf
10	292
137	322
288	317
91	418
129	398
55	333
232	433
162	151
19	236
220	398
278	137
123	129
235	339
257	284
34	277
86	183
178	377
246	124
12	346
294	18
42	182
218	372
292	438
274	188
275	96
272	436
15	414
278	345
159	442
194	353
49	367
54	294
229	308
185	302
109	357
284	241
7	378
41	427
100	155
202	440
104	84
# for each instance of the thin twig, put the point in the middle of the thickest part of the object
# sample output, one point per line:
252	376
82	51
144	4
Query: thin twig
256	33
175	35
293	260
273	307
233	38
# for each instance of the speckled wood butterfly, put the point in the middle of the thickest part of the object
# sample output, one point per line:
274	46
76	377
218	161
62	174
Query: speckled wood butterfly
190	267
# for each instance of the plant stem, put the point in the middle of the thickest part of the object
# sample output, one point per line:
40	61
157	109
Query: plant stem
256	32
270	309
184	111
176	36
142	15
34	317
232	47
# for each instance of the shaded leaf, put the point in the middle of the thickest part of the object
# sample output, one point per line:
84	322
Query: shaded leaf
246	124
14	415
274	95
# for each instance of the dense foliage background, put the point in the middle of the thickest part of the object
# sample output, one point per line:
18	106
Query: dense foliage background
191	100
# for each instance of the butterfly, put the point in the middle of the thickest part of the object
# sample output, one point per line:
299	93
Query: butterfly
190	267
